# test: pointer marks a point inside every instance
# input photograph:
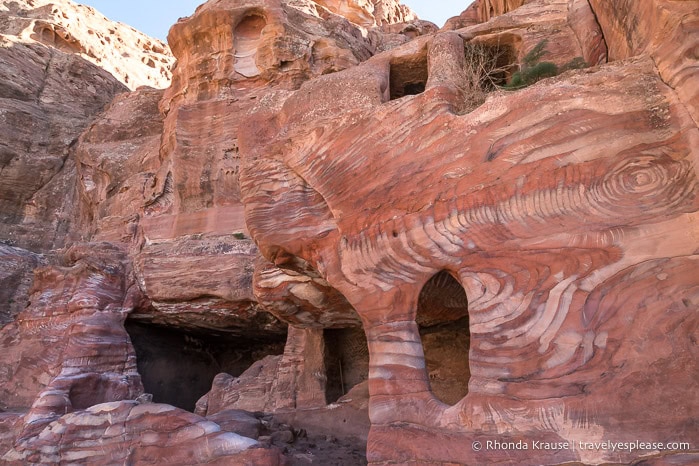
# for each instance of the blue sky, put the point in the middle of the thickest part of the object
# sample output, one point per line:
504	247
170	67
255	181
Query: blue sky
154	17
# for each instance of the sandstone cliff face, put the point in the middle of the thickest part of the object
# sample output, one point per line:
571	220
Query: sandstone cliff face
16	277
454	263
168	183
570	225
669	36
48	99
76	313
134	58
370	13
61	64
488	9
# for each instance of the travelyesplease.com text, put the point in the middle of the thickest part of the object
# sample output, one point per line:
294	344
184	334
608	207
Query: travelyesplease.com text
579	445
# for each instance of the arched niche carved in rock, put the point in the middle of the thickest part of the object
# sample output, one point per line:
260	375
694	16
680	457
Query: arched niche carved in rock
246	39
346	361
408	75
442	317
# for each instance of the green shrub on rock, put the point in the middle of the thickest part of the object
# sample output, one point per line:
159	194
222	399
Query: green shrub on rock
533	70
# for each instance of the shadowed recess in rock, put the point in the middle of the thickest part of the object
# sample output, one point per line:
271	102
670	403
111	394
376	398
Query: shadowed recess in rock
178	367
442	316
496	58
346	361
408	75
247	38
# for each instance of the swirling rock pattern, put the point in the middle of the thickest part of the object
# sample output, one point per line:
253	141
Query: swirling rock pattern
550	232
571	226
76	315
159	171
130	432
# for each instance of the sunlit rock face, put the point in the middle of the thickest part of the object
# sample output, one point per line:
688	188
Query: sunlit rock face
331	219
131	56
669	36
61	64
370	13
570	224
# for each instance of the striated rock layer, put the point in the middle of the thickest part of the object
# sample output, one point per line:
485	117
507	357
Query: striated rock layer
60	64
570	224
455	263
76	315
129	432
166	181
16	277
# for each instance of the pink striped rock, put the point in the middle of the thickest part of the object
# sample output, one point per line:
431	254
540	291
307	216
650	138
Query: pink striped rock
567	212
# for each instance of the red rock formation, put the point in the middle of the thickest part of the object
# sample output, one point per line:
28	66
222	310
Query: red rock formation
76	314
522	263
468	17
670	35
141	434
165	200
49	98
295	380
16	277
118	167
132	57
61	64
488	9
203	283
370	13
564	222
302	299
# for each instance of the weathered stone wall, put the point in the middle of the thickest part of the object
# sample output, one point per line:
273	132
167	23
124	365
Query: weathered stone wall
520	262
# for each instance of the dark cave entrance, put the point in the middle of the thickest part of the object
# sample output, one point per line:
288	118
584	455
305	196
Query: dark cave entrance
346	361
442	317
408	75
177	367
492	60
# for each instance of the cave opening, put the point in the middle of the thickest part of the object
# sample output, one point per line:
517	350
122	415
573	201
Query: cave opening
346	361
490	63
246	39
178	366
408	75
442	317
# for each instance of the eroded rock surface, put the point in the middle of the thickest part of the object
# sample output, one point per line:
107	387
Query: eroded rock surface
543	214
16	277
77	310
669	35
134	58
127	431
370	13
452	260
48	98
61	64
